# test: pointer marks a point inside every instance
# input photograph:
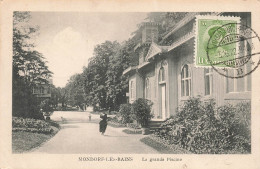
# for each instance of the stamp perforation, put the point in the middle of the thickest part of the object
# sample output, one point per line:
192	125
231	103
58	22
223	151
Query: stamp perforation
213	17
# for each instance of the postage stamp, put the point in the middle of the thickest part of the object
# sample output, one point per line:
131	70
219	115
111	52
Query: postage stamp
210	29
223	43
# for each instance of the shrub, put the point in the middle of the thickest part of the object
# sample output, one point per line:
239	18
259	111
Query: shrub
46	107
133	126
202	128
24	103
125	113
141	109
116	122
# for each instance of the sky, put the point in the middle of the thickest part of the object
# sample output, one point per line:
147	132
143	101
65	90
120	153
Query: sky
67	39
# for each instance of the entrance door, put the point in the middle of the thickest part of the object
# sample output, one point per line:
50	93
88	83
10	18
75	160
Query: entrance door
163	101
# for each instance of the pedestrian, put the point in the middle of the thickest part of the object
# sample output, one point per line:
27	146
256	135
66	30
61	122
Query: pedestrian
103	124
89	116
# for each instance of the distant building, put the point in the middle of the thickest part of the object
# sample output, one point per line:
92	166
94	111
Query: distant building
43	90
166	74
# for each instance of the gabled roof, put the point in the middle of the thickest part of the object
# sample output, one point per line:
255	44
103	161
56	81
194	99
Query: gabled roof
155	50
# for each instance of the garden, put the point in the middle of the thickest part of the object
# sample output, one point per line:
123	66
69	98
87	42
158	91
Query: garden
135	117
202	128
198	127
29	133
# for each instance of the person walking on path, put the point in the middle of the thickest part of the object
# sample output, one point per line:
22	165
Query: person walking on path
103	124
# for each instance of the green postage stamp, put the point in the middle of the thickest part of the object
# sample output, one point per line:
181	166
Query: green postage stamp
214	41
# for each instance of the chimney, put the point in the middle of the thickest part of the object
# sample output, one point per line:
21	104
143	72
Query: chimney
149	32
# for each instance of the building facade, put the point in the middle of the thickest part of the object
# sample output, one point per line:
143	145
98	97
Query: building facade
166	74
43	90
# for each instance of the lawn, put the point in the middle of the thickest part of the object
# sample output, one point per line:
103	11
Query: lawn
162	147
23	141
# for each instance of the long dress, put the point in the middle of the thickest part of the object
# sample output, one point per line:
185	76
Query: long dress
103	124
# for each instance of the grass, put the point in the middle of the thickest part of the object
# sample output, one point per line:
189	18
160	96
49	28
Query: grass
162	147
23	141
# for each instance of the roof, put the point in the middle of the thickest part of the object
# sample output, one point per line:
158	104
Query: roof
184	21
181	23
140	44
129	70
155	50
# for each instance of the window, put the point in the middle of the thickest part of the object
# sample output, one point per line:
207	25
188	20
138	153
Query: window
41	90
185	81
48	90
208	81
147	88
131	89
238	84
35	90
161	75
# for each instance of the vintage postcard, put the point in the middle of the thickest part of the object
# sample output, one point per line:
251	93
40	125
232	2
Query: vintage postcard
95	84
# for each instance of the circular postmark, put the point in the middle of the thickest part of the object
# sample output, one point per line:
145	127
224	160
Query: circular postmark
233	46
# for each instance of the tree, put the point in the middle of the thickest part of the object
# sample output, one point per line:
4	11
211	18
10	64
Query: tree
95	74
117	84
75	88
29	67
102	80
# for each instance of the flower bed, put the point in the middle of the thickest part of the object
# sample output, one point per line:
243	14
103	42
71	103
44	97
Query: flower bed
31	125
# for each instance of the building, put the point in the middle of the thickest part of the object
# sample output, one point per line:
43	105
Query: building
43	90
166	74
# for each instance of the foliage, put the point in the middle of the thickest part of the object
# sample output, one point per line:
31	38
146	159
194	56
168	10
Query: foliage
102	84
141	109
46	106
125	113
133	125
202	128
95	75
166	20
29	68
75	91
116	122
24	103
31	125
55	96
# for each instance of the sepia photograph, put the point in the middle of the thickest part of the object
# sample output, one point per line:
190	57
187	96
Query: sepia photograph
132	82
87	84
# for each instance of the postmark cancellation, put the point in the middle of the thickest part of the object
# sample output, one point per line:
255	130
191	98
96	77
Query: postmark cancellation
224	44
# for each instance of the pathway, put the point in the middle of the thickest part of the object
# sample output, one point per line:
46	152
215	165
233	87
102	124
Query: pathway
78	135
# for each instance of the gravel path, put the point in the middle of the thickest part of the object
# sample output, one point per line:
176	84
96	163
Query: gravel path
79	135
